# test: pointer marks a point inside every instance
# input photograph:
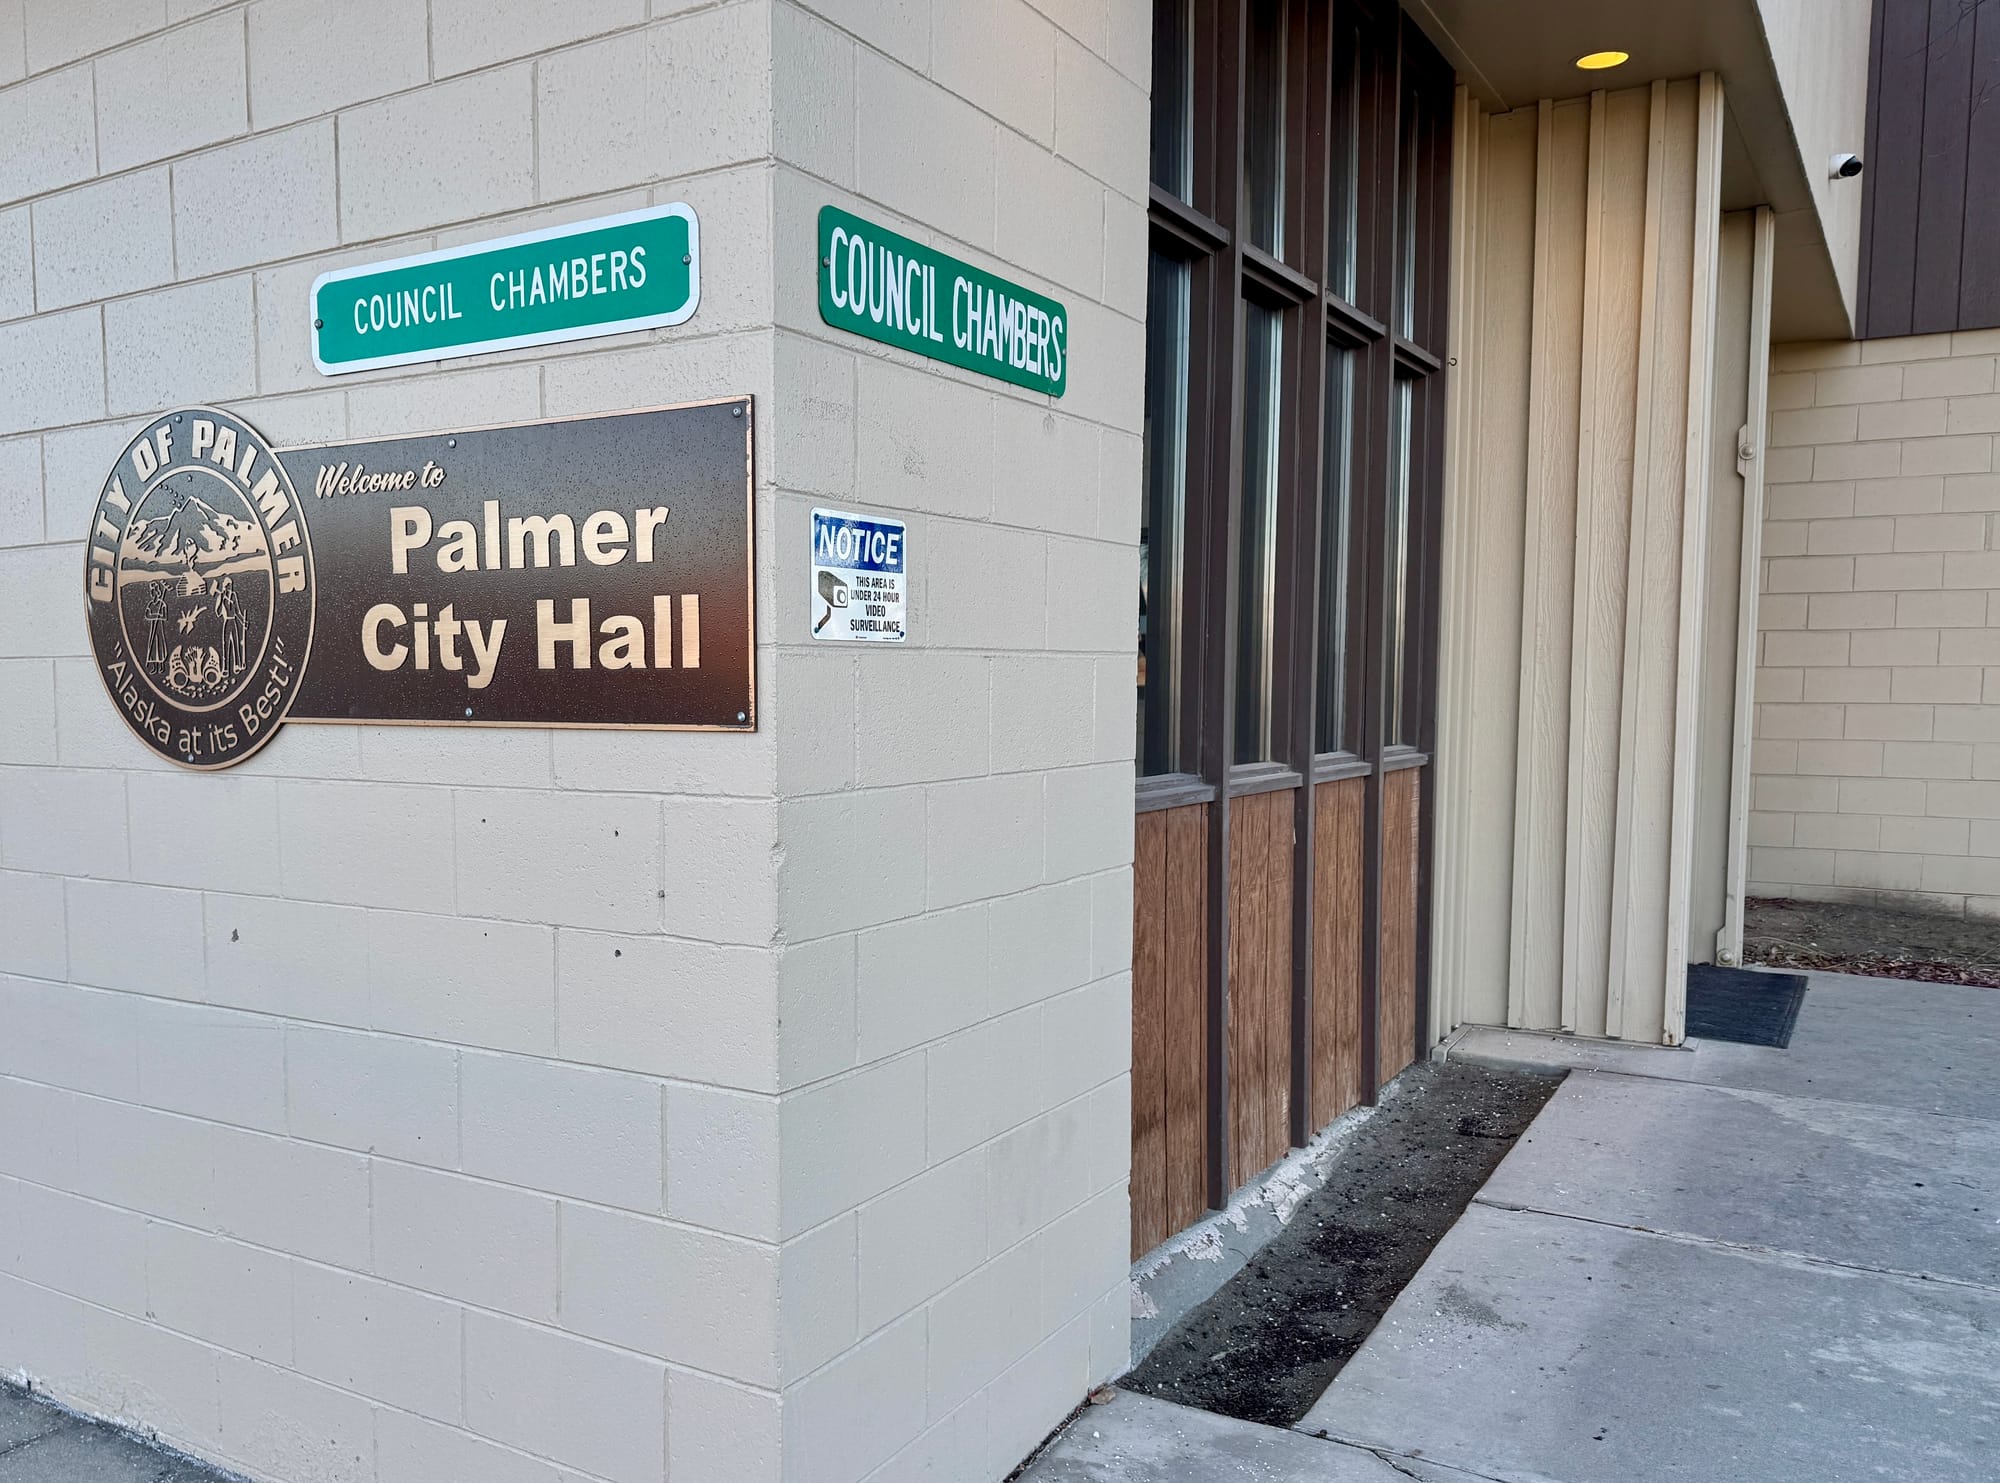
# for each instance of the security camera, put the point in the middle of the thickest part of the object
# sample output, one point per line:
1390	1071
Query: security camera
1844	167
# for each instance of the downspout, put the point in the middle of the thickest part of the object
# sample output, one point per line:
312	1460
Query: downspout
1750	464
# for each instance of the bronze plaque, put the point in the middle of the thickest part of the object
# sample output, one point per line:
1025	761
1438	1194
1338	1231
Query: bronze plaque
595	571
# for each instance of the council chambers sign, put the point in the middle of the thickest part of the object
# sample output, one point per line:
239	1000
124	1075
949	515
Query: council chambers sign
588	572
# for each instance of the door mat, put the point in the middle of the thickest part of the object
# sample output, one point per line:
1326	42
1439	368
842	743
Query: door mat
1743	1006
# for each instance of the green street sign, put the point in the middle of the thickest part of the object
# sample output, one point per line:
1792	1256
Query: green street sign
635	271
879	284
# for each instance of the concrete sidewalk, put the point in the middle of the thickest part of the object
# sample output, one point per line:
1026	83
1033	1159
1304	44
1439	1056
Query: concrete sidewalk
1721	1262
40	1444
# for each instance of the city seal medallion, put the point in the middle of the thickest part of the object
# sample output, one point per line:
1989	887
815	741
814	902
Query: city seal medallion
198	582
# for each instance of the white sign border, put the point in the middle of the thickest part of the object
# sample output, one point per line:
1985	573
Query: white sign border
516	342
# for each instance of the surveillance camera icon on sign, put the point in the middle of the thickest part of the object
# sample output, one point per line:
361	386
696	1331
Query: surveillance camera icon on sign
832	592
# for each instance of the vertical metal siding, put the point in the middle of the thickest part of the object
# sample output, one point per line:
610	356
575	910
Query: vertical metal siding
1578	527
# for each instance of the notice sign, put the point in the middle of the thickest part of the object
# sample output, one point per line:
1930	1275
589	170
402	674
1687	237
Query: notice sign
635	271
589	572
876	283
860	578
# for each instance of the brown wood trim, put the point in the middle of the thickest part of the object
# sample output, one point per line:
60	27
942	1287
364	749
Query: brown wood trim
1187	996
1979	267
1400	930
1332	767
1218	85
1150	918
1310	141
1260	1031
1870	132
1284	284
1414	360
1171	790
1249	778
1337	1079
1350	325
1947	114
1175	217
1375	284
1930	202
1169	1183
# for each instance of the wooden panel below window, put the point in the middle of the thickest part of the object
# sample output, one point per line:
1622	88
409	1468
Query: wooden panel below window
1169	1023
1396	1002
1336	1078
1260	981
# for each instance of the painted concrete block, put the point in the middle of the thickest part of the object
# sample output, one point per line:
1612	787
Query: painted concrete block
293	213
457	150
77	258
567	1129
688	1296
290	40
466	34
138	120
479	1242
592	1407
55	126
192	344
52	367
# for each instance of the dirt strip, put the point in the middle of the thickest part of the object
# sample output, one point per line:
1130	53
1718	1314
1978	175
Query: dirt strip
1274	1336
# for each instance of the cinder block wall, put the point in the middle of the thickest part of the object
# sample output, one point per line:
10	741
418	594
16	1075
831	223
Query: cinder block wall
956	822
377	1110
419	1106
1877	766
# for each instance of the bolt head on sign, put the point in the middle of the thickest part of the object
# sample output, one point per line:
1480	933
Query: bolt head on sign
198	588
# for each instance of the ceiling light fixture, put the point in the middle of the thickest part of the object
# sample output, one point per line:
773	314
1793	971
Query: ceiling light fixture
1597	61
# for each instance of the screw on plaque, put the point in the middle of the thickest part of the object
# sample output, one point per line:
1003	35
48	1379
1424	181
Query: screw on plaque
735	411
468	710
687	257
451	442
319	324
741	716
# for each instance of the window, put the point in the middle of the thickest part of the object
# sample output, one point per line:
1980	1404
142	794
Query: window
1173	97
1344	162
1264	126
1163	518
1396	573
1408	182
1331	731
1293	370
1257	538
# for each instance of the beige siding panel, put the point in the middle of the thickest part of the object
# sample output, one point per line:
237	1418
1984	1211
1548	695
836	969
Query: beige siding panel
1457	738
1541	771
1696	453
1635	1006
1491	690
1615	290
